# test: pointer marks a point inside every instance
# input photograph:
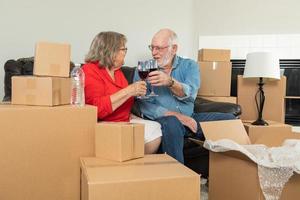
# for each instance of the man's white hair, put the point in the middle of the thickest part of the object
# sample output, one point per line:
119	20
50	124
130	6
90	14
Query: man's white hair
173	38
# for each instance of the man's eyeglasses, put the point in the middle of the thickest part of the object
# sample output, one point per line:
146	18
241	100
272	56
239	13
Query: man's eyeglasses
124	49
152	48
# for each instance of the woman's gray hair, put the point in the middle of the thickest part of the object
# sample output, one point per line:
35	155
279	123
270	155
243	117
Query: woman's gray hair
105	47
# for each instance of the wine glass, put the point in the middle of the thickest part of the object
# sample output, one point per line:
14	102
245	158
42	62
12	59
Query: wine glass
143	72
153	66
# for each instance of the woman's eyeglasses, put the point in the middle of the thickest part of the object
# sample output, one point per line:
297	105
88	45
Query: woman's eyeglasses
124	49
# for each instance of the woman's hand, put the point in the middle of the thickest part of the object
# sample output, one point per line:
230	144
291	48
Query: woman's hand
138	88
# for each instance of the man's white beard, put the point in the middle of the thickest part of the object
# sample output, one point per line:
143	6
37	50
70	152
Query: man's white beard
165	60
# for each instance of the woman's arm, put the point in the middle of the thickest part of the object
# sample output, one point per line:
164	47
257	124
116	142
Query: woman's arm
135	89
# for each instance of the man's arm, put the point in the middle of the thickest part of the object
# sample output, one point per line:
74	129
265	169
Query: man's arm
148	107
183	89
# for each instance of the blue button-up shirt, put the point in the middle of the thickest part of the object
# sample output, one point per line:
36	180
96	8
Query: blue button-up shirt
186	71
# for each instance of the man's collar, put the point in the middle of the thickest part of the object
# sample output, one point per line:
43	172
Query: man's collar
175	62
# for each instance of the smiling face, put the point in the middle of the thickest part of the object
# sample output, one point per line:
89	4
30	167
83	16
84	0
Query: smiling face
162	48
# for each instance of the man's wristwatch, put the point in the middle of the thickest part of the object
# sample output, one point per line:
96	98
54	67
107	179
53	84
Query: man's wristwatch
171	82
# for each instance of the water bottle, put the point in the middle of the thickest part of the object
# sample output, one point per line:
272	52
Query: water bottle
77	86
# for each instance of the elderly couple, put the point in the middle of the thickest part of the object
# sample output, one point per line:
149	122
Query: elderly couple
168	116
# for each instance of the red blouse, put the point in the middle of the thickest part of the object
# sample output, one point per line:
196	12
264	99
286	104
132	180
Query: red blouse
98	88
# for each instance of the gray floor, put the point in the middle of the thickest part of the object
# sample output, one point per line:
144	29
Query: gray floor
204	189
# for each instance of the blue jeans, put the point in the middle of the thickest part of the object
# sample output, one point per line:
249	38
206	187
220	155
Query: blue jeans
173	131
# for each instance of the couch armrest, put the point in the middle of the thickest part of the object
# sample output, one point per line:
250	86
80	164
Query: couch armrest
204	105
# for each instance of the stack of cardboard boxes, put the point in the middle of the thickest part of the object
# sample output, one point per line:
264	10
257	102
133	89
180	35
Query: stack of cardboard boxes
121	171
240	172
50	85
215	75
41	145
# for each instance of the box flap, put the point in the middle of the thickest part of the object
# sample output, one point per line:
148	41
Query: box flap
229	129
150	167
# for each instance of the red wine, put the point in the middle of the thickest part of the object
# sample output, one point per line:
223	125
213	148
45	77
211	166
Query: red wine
143	74
153	69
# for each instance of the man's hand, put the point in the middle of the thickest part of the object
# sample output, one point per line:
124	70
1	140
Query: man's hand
159	78
185	120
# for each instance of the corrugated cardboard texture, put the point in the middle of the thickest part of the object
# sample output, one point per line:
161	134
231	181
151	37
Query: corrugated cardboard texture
229	129
234	176
215	78
40	150
274	107
272	135
217	55
150	178
43	91
52	59
220	99
119	141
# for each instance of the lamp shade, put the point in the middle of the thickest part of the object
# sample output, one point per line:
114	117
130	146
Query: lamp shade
262	64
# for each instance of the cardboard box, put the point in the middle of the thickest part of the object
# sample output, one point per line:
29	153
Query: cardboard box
150	178
232	175
220	99
215	78
274	107
260	134
43	91
119	141
40	150
217	55
52	59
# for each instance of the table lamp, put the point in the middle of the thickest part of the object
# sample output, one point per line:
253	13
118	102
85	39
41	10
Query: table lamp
262	66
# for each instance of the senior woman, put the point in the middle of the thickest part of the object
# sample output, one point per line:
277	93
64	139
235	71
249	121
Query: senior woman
107	88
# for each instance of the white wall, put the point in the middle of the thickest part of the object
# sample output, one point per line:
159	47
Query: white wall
237	17
284	46
23	23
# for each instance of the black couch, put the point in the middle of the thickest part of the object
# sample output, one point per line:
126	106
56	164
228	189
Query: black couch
195	156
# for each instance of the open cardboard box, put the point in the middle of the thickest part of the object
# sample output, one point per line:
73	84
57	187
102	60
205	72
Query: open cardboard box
232	175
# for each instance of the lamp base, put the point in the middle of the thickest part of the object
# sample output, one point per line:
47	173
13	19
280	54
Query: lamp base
260	122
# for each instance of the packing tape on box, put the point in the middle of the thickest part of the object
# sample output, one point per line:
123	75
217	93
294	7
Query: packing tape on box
30	99
215	65
31	84
132	145
136	163
134	148
54	68
57	95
